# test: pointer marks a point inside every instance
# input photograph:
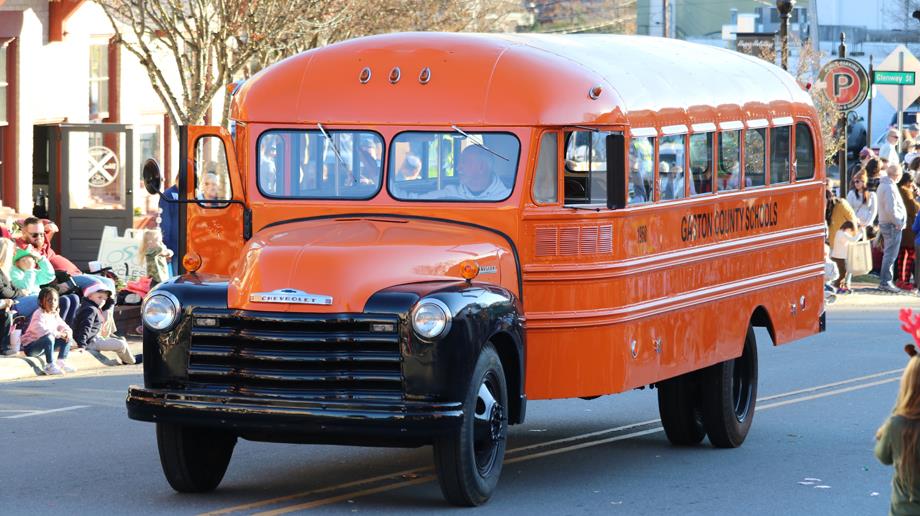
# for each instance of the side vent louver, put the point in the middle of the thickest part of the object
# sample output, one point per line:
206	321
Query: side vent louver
573	240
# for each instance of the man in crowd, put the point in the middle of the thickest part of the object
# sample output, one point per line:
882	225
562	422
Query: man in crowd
37	235
892	218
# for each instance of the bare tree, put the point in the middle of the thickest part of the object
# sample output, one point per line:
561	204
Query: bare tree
205	43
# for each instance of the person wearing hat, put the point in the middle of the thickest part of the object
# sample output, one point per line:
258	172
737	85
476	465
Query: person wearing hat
89	322
889	149
30	271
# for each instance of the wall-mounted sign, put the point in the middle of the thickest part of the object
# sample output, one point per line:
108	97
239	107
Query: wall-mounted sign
757	44
103	166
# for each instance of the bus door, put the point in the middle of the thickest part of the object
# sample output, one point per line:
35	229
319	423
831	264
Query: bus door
218	225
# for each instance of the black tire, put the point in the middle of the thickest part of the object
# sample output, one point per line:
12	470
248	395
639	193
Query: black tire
194	459
469	462
729	397
680	408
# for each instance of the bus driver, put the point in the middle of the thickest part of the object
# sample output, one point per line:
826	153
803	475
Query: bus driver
478	180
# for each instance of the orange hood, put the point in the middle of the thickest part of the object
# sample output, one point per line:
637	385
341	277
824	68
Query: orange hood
349	259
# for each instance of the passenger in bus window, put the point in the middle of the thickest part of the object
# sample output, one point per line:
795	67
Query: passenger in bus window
268	172
212	189
670	181
641	172
410	170
368	162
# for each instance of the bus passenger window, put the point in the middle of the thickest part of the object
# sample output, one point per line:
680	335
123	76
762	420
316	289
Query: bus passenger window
729	161
641	170
671	173
755	153
701	163
547	173
779	155
212	178
804	153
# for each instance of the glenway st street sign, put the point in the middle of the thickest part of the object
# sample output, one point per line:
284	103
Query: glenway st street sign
910	92
894	77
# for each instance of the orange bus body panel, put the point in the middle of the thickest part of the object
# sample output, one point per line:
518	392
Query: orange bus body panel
614	299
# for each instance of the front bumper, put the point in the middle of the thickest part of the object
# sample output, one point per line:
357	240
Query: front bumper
286	420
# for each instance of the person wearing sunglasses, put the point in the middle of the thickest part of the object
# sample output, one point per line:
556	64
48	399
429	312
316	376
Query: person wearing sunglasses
37	234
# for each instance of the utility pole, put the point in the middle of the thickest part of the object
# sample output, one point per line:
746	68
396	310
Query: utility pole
842	129
665	18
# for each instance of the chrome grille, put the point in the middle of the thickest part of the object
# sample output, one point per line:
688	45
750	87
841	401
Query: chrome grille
318	356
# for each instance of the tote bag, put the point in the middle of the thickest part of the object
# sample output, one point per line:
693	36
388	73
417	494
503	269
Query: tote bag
859	257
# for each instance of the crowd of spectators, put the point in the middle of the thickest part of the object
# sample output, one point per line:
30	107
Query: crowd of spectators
48	304
881	206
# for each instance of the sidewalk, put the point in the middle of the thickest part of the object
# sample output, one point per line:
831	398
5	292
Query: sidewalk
20	366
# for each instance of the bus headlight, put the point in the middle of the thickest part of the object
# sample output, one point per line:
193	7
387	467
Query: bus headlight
431	319
160	311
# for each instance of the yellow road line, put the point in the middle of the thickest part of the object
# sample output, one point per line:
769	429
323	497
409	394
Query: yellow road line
430	477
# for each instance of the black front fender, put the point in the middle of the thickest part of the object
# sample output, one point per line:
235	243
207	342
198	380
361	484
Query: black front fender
481	314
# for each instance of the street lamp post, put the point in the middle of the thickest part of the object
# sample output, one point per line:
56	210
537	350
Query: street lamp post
785	9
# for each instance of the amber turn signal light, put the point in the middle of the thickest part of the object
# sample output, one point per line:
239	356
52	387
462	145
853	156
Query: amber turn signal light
191	262
469	270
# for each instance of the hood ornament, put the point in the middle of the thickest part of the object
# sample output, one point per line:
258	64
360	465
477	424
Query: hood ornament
290	295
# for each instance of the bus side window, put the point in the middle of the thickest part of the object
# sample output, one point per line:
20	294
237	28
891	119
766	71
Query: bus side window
671	174
575	184
701	163
755	153
729	161
641	170
547	173
779	155
804	153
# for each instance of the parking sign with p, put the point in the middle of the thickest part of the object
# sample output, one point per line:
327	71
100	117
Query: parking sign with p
845	82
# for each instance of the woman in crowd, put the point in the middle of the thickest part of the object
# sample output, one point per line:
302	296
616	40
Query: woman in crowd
904	265
864	203
897	441
8	294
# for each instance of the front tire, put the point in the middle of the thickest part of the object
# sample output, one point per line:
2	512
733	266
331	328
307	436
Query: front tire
730	395
680	410
469	462
194	459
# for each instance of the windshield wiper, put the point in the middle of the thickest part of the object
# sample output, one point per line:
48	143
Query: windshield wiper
335	149
477	142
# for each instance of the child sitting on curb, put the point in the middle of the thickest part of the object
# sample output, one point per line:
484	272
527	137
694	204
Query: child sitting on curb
89	323
47	330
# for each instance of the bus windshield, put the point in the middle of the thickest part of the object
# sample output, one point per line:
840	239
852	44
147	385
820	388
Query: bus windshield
453	166
299	164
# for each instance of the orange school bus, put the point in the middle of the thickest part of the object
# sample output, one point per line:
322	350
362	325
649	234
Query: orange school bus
406	237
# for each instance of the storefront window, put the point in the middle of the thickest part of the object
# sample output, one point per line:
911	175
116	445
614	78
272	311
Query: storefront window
98	82
96	172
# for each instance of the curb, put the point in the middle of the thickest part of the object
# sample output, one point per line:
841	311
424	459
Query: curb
17	367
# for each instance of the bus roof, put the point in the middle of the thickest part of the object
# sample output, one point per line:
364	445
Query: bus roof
518	79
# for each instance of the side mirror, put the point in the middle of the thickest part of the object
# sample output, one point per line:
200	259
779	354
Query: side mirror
153	177
616	171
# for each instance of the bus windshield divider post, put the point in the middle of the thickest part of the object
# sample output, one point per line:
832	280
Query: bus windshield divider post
616	171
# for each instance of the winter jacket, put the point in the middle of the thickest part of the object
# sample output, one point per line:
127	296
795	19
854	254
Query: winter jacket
916	228
43	323
32	280
87	323
910	204
841	212
905	499
891	209
7	290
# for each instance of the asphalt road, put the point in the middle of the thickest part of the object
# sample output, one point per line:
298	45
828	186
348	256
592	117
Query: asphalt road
66	446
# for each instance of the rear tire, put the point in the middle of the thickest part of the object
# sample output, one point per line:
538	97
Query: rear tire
730	395
194	459
680	410
469	462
